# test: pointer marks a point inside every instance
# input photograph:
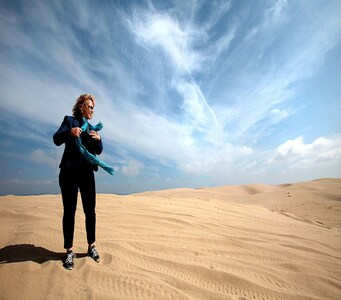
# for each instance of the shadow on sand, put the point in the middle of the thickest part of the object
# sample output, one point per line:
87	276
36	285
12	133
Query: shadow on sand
28	252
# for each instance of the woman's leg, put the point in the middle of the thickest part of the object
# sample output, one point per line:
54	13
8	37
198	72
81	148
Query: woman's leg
88	192
69	188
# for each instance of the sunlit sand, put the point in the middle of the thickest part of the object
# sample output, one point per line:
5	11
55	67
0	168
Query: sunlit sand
233	242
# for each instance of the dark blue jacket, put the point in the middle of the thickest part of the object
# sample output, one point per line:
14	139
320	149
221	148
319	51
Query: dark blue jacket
72	158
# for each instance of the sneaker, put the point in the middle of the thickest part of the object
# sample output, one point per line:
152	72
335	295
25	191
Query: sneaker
68	261
92	252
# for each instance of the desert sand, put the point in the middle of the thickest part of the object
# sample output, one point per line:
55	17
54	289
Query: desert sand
233	242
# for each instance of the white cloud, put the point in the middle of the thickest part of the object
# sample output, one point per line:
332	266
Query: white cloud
41	157
276	13
215	160
177	43
278	114
200	114
131	168
298	154
161	30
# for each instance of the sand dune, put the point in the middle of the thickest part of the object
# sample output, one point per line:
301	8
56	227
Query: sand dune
233	242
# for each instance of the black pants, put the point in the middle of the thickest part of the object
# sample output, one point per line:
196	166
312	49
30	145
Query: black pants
70	180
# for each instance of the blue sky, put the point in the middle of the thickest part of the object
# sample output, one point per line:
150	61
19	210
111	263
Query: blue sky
191	93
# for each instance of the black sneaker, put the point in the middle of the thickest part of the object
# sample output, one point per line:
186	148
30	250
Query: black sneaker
68	261
92	252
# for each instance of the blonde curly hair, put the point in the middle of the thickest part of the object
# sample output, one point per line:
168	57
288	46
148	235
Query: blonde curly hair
78	107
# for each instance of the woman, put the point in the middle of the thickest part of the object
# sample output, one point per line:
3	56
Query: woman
77	173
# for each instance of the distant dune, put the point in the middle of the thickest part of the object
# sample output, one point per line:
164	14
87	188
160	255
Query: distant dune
232	242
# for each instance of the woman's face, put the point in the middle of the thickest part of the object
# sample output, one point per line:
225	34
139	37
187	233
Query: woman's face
88	109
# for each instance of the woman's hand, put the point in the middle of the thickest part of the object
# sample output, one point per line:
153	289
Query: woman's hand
95	135
76	131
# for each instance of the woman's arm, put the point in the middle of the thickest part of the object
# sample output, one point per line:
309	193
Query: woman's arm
62	135
98	147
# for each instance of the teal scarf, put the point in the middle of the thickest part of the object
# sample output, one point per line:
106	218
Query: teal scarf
86	154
